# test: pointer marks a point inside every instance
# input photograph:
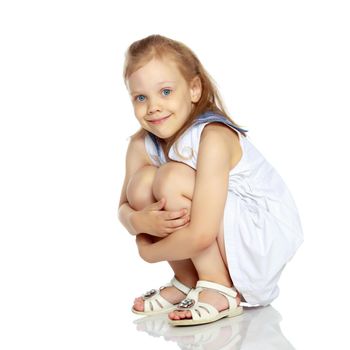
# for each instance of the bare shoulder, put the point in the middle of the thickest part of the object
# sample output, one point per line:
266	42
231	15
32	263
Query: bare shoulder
221	130
222	138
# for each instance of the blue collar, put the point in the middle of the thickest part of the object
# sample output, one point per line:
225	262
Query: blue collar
206	117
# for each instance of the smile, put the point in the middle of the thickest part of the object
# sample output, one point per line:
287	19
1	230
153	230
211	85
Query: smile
159	121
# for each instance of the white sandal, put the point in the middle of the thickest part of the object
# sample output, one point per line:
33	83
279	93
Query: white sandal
155	304
204	312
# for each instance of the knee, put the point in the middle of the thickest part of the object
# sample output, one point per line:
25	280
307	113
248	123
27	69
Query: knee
173	178
139	189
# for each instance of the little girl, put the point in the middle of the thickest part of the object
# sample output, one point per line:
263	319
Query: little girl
198	194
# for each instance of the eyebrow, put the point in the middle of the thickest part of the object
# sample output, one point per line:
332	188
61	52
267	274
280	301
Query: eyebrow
162	82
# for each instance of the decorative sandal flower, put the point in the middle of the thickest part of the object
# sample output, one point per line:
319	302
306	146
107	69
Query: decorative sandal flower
186	304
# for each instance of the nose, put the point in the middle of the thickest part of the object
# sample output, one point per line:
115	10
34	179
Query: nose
153	105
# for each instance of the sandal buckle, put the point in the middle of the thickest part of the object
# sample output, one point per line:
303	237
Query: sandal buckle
149	294
186	304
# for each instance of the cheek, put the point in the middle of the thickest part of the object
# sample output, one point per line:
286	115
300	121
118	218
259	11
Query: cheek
178	104
140	120
139	111
185	100
184	107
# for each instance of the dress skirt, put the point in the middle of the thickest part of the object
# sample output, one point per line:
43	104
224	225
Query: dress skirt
258	245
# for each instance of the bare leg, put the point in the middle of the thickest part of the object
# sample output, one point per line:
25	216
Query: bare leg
211	263
140	194
210	267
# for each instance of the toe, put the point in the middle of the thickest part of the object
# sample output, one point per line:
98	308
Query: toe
184	314
176	315
138	305
173	316
180	315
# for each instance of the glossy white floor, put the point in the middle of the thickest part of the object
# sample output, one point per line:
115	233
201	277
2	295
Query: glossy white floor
255	326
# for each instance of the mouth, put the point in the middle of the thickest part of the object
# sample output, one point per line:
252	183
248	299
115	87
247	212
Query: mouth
159	121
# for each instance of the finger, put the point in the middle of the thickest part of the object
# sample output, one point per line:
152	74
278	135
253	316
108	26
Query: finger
180	227
178	222
163	234
171	215
158	205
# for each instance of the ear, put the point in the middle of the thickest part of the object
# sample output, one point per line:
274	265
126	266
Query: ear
196	89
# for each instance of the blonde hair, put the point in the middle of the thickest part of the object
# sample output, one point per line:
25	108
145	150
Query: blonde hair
157	46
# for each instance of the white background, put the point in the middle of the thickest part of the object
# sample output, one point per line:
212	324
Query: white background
69	271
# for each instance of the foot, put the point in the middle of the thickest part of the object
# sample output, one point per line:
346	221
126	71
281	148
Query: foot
171	294
209	296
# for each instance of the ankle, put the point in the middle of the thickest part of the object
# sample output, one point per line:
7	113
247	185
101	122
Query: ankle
188	281
223	281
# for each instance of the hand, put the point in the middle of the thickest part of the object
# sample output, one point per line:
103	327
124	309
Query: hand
157	222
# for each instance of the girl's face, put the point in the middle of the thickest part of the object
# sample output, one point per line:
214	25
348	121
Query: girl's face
161	97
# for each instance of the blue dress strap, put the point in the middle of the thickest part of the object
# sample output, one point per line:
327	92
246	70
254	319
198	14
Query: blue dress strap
215	117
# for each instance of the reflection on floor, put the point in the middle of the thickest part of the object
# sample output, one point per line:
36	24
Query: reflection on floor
256	328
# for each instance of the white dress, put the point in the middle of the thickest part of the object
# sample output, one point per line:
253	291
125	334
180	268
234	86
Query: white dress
262	229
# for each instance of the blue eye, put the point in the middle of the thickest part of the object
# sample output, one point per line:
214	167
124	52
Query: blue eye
137	98
167	90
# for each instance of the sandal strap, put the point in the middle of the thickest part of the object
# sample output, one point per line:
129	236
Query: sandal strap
156	303
180	286
153	301
219	287
201	310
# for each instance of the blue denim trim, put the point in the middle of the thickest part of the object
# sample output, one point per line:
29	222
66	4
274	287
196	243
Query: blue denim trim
210	117
158	148
215	117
